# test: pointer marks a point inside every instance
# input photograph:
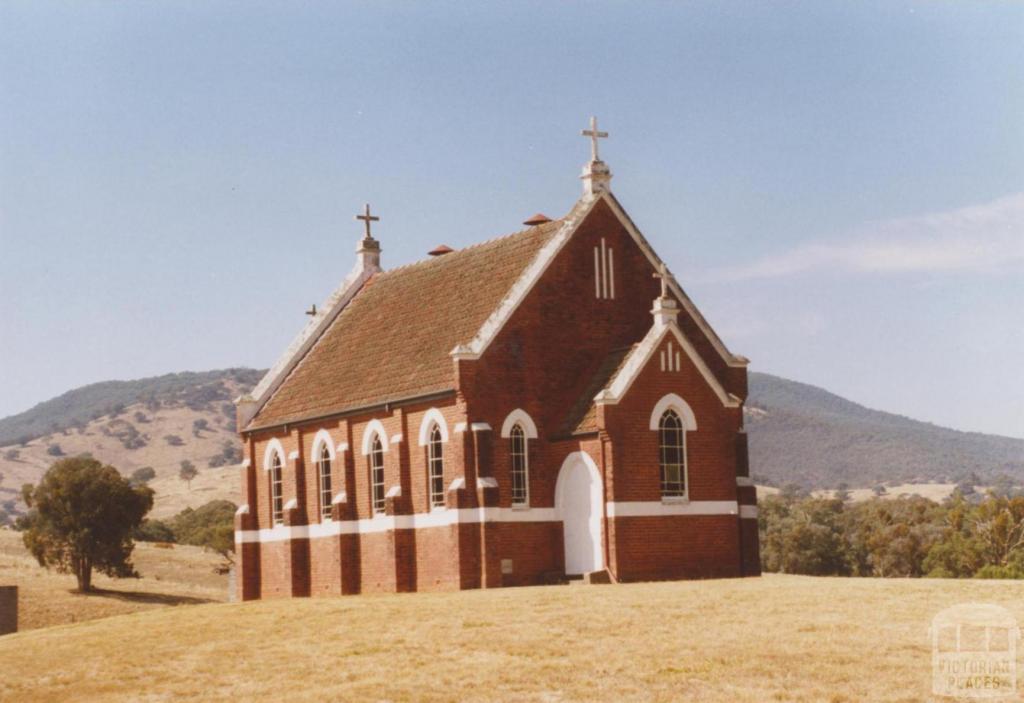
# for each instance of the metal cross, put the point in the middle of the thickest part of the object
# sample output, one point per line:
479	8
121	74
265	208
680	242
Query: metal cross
594	136
664	275
367	218
312	311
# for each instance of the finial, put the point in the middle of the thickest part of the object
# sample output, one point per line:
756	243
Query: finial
664	275
312	311
367	218
594	135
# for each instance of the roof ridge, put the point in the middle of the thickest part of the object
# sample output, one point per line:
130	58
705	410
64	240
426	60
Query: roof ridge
470	247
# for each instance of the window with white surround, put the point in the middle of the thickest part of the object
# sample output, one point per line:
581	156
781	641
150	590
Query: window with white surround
604	271
435	468
672	447
377	474
276	489
520	466
323	471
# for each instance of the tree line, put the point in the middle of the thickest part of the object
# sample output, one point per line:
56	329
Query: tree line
964	536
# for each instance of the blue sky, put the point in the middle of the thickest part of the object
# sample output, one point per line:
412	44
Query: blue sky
839	186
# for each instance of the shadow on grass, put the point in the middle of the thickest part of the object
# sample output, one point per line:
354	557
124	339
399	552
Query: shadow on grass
143	597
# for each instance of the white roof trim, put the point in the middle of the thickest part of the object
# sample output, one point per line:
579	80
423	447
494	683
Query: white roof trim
480	427
460	426
497	319
522	418
304	341
486	482
716	341
243	509
393	492
396	438
374	427
638	358
681	407
341	497
294	455
430	418
342	447
492	326
246	463
291	504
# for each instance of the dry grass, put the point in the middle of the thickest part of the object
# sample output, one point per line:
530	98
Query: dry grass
778	638
178	576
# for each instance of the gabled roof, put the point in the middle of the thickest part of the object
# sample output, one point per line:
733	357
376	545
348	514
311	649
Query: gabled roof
393	338
582	417
641	354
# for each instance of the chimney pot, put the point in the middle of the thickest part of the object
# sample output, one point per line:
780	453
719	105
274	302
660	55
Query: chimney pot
538	219
440	250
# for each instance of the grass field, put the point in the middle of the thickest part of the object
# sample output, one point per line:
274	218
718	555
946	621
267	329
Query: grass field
777	638
178	576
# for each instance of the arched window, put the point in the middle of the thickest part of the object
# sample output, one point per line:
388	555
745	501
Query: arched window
377	474
672	445
435	468
520	466
323	470
276	490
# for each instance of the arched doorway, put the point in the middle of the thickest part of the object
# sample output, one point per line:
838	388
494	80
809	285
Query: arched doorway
579	504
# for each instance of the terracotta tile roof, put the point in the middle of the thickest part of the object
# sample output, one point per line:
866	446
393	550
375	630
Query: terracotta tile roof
582	416
393	339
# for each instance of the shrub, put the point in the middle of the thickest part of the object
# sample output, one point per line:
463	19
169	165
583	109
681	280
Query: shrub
54	450
154	531
142	476
174	440
12	455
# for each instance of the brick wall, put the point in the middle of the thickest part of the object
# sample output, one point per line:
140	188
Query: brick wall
541	361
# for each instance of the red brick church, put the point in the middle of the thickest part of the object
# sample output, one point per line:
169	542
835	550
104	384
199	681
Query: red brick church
544	404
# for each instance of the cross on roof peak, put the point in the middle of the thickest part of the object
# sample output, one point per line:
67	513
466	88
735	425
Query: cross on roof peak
367	218
594	135
664	275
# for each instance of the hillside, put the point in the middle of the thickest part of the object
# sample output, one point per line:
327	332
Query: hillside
775	638
805	435
157	422
798	434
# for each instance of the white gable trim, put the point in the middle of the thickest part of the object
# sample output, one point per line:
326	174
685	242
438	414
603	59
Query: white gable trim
533	273
716	341
682	408
430	418
492	326
250	406
374	427
323	437
274	445
523	419
638	358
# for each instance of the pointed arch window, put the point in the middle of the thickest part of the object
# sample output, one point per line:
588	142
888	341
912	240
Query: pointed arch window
323	471
520	466
672	446
276	489
377	474
435	468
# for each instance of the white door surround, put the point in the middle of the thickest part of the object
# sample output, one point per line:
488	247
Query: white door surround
579	504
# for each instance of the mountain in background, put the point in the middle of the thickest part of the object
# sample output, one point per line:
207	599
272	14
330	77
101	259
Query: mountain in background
804	435
799	434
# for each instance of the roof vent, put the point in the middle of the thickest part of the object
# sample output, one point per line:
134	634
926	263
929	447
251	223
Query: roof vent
538	219
441	250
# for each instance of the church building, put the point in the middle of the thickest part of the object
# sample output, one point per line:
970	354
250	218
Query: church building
541	406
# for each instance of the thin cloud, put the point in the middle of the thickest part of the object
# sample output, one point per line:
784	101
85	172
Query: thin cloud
986	238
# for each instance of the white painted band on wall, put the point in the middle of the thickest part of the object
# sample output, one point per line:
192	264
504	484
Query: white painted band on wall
744	481
655	508
748	512
448	517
